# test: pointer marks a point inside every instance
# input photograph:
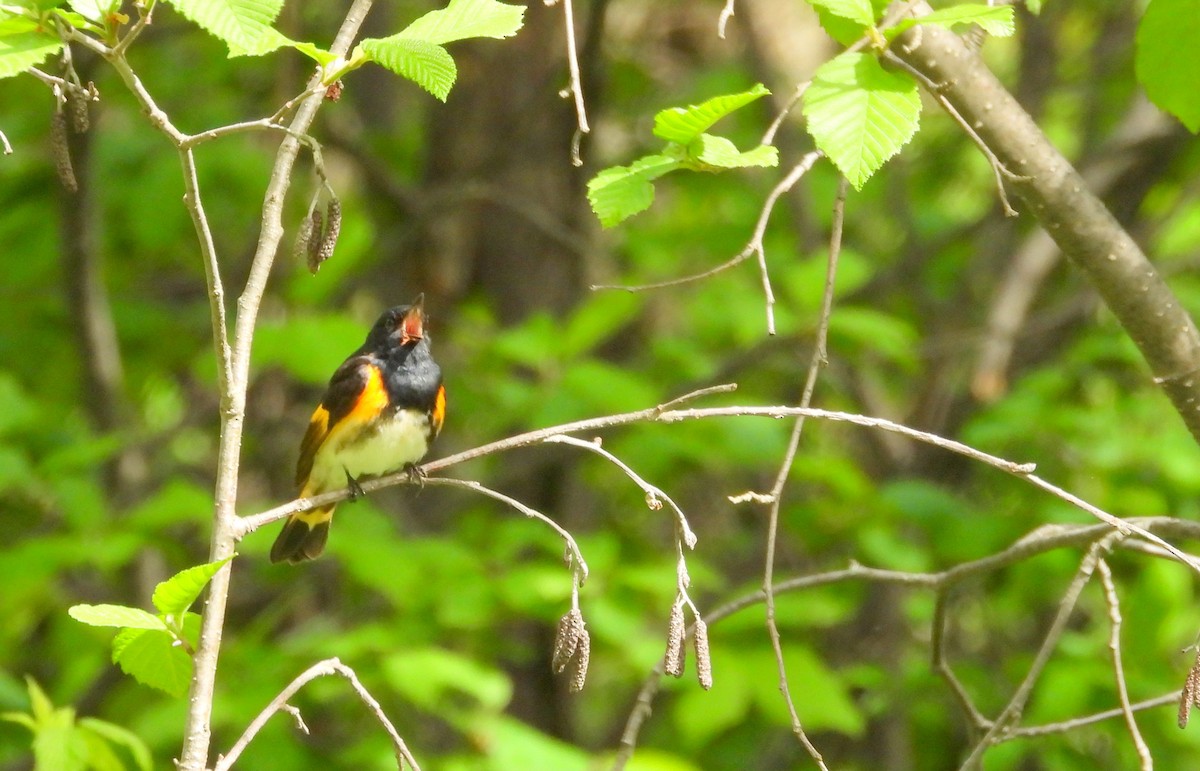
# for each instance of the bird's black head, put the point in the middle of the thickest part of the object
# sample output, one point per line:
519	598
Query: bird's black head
400	326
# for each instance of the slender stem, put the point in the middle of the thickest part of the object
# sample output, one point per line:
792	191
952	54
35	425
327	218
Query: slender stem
280	704
197	732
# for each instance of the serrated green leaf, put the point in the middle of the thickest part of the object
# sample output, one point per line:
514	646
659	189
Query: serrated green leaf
153	658
1166	58
175	595
244	25
24	45
427	64
857	11
860	114
714	153
993	19
463	19
115	615
622	191
122	737
685	124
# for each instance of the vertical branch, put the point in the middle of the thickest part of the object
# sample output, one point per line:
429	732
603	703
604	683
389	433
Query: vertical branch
1145	760
197	733
814	368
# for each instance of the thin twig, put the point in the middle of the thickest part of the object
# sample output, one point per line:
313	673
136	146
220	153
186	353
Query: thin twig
1065	726
4	144
753	247
723	20
197	732
1066	606
576	87
1114	645
654	495
1023	471
576	560
999	170
331	666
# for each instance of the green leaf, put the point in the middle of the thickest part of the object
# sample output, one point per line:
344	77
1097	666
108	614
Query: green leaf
153	658
23	44
439	679
1166	58
244	25
175	595
993	19
40	706
622	191
713	153
122	737
93	10
860	114
115	615
314	52
425	63
858	11
57	745
466	18
20	718
685	124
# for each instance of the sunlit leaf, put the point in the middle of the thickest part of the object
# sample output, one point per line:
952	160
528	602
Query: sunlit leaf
622	191
115	615
685	124
153	658
860	114
424	62
463	19
175	595
1166	58
993	19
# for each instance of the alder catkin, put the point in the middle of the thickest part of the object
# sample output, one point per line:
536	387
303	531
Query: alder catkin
1190	696
316	224
579	664
77	103
703	660
566	640
303	239
676	656
333	226
62	152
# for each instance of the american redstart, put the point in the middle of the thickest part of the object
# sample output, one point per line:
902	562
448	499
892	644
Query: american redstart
381	411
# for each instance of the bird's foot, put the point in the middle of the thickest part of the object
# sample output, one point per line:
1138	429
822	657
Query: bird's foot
356	490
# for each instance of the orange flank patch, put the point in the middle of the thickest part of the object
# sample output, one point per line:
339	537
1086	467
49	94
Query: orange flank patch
439	410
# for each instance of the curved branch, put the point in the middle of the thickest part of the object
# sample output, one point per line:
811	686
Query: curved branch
1075	218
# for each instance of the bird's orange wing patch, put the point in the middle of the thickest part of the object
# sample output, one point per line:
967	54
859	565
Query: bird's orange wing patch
438	415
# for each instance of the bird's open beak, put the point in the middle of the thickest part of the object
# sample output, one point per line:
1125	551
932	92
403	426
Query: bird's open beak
413	324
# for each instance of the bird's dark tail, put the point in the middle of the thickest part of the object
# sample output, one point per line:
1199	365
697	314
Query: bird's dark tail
303	536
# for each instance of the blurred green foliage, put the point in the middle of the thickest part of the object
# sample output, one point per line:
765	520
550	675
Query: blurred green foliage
444	603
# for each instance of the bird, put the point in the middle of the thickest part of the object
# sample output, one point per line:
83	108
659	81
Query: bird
383	408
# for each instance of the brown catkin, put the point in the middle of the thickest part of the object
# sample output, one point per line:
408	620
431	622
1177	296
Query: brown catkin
62	152
303	239
676	656
1191	693
77	103
333	227
703	659
316	231
579	664
566	640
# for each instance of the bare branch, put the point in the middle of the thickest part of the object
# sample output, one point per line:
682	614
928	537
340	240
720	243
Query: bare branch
280	703
1155	319
1114	645
576	560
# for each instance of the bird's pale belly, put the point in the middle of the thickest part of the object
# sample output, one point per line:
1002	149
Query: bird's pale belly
387	447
